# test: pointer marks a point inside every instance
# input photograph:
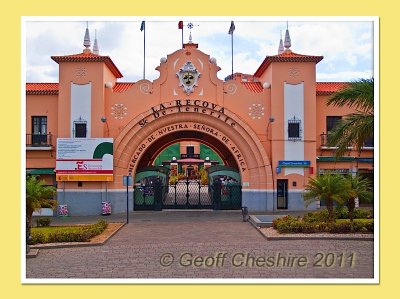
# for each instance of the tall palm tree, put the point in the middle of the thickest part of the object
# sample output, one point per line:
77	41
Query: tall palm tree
357	187
329	187
356	127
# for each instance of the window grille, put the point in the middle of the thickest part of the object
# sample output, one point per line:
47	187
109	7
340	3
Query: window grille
294	129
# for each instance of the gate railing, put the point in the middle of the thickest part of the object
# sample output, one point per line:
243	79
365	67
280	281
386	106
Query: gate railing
188	194
226	197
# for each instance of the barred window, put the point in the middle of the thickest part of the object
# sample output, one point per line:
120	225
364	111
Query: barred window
294	129
80	128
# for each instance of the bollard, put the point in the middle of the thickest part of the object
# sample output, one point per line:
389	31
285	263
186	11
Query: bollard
245	214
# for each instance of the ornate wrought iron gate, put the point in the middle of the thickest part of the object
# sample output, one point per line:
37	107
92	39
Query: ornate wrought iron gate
188	194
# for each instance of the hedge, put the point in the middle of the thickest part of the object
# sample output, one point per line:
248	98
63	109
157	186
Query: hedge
340	213
291	224
59	234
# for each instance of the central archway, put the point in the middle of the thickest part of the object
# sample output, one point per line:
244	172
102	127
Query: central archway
160	144
235	139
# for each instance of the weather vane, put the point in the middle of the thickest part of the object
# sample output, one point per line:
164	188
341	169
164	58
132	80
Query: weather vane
190	27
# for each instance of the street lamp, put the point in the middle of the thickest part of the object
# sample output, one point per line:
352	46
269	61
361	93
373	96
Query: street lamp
104	120
270	121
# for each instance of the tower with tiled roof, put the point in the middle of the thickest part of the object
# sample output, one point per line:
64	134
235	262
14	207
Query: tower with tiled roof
83	78
291	78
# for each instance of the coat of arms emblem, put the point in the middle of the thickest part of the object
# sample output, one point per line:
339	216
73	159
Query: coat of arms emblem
188	76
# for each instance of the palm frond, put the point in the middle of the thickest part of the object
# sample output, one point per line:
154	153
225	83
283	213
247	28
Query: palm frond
358	94
353	130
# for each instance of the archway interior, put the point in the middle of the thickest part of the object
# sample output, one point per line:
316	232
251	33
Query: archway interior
181	150
164	142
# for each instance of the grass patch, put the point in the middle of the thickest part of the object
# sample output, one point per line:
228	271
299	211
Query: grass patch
57	234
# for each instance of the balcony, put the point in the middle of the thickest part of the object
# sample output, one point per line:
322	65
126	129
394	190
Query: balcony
368	144
39	142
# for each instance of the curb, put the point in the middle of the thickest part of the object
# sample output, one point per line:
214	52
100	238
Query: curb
75	244
32	253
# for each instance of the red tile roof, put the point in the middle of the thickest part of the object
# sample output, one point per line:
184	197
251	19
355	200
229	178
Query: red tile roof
327	88
122	86
89	57
322	88
255	87
42	88
286	57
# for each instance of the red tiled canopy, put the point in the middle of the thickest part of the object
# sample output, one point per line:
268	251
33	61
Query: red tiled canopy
42	88
327	88
89	57
286	57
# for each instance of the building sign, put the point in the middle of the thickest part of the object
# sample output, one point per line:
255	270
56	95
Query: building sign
196	106
193	127
84	159
294	163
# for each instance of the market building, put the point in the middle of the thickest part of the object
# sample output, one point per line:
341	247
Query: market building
268	129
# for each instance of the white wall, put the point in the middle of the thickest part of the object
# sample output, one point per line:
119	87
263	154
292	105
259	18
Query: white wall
294	107
81	107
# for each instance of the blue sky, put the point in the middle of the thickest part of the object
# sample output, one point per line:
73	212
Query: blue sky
346	44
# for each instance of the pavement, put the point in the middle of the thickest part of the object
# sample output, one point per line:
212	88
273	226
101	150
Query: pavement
200	244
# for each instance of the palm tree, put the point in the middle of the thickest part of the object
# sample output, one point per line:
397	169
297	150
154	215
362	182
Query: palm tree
357	187
36	195
329	187
356	127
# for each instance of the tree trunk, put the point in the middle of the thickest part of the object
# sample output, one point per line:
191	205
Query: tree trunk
351	204
329	206
29	213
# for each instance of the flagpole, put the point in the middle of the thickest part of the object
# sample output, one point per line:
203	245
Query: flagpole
232	53
144	52
231	30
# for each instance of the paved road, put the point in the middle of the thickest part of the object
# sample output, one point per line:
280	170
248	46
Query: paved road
202	244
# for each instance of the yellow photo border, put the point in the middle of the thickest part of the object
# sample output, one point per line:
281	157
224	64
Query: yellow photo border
11	146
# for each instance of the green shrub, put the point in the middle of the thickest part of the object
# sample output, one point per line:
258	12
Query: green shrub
363	214
339	227
43	222
341	212
49	204
290	224
67	233
318	216
363	225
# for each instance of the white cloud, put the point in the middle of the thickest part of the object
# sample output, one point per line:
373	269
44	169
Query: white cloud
347	47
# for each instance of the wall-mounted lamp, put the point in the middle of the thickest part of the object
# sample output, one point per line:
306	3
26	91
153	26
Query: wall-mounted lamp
104	120
270	120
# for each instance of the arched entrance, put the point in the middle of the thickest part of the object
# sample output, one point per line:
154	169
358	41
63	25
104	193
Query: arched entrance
238	145
185	190
165	141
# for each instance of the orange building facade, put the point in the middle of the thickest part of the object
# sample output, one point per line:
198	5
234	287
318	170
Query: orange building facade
270	126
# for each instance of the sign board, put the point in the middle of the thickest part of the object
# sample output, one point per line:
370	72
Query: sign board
84	159
294	163
127	180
